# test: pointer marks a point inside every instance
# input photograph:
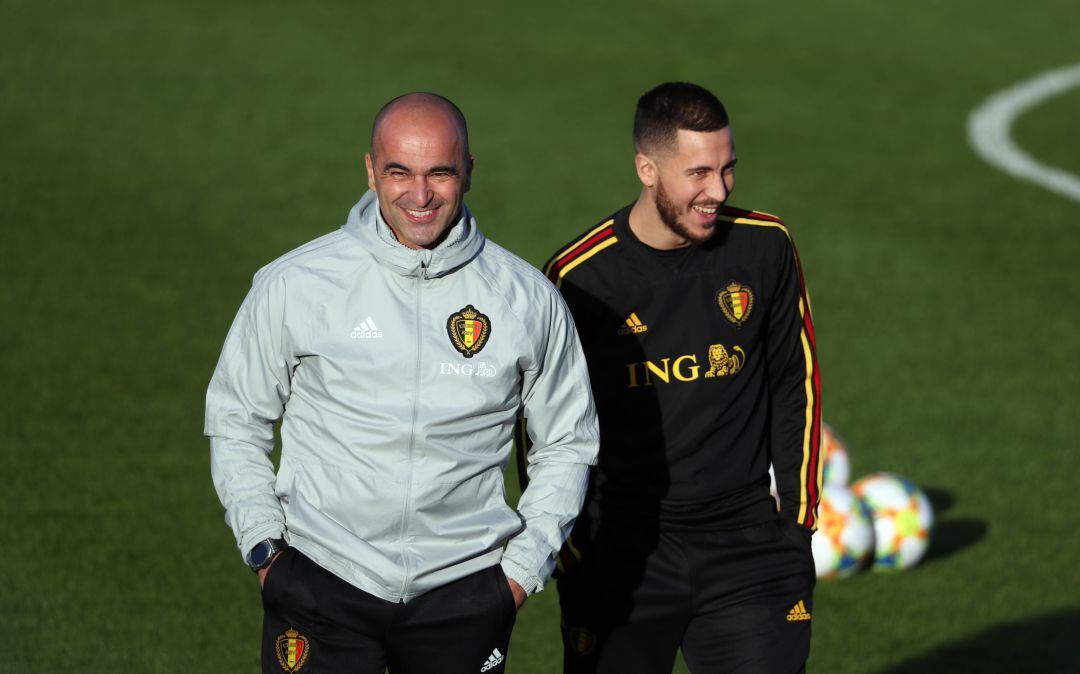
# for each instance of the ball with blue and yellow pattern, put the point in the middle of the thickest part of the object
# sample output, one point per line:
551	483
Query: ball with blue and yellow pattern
902	517
844	541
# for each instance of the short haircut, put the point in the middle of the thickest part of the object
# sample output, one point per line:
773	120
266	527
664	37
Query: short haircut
424	98
671	106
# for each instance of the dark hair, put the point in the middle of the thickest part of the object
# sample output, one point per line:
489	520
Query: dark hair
671	106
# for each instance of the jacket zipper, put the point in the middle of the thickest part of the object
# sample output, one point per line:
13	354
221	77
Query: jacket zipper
412	438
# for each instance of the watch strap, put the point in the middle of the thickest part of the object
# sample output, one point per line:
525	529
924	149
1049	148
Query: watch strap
267	549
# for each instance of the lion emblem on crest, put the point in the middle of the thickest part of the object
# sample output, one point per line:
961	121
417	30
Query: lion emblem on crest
721	364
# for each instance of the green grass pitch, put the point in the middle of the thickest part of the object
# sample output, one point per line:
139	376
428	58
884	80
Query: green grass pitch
154	155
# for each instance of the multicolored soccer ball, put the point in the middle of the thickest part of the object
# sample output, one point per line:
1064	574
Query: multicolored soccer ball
836	464
844	540
902	517
834	454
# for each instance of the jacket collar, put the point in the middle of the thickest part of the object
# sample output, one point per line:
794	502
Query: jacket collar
463	242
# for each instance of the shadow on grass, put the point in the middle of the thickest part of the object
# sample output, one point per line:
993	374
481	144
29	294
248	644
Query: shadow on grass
940	499
1044	644
950	536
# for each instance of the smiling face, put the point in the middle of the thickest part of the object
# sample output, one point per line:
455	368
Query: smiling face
688	184
420	169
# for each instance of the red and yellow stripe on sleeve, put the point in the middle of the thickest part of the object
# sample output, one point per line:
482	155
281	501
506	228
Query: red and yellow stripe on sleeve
811	470
580	250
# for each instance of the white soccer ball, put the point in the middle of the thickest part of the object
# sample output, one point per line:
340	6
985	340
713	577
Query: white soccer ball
902	516
834	453
836	465
844	540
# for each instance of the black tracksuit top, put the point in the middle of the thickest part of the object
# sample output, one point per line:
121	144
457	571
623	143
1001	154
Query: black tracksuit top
702	362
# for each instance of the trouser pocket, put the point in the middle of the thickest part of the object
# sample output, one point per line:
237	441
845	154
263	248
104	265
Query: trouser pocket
461	628
277	568
509	603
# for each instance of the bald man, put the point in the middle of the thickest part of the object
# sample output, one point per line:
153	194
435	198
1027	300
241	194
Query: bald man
397	352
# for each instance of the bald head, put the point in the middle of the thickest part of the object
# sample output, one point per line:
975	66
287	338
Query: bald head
419	108
419	167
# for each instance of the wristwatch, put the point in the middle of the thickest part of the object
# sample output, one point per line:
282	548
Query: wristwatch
263	553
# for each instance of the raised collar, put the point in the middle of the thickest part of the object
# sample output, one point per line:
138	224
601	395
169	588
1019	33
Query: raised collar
463	242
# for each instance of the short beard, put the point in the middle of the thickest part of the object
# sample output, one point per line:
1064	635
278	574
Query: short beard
669	214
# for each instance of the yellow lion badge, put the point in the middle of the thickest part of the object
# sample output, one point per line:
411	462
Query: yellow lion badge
721	364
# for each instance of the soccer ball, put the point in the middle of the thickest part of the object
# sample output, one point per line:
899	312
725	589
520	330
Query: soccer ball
844	540
902	519
837	466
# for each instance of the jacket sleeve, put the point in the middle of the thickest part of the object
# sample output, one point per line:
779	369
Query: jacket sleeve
795	393
247	395
558	404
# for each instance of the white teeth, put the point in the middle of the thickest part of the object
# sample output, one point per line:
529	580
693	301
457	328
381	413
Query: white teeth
419	214
706	211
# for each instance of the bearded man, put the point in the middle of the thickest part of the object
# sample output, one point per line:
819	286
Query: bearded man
696	327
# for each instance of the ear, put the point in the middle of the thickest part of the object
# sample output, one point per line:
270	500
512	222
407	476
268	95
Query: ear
646	170
467	183
370	171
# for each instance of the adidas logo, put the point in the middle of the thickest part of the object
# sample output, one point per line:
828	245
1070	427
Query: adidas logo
493	661
633	326
798	612
366	330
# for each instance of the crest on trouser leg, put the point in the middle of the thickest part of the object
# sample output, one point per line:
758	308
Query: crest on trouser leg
292	649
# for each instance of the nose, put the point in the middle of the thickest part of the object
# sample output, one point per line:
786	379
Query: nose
420	190
718	188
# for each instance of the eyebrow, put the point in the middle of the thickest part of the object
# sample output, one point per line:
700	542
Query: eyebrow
695	169
390	166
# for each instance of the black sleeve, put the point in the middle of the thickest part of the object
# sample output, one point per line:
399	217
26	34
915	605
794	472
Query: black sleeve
794	393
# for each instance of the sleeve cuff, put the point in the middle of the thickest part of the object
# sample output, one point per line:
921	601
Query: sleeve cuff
249	539
528	581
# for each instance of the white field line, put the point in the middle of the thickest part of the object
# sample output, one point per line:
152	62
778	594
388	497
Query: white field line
989	125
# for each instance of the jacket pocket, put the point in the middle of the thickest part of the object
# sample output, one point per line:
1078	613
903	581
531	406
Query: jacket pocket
356	517
283	482
462	520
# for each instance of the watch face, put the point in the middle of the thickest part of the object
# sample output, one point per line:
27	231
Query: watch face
260	553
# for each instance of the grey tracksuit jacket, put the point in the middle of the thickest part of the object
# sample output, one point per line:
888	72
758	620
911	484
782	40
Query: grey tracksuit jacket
393	440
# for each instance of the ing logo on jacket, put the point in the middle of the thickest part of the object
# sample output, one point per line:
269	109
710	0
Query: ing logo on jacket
686	367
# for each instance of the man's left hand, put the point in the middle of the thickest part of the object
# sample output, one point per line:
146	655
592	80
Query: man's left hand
519	593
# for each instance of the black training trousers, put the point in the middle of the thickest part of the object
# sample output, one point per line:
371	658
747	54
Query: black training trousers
734	601
316	623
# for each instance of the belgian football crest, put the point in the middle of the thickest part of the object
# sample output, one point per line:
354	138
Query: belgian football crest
736	301
581	640
469	330
292	650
